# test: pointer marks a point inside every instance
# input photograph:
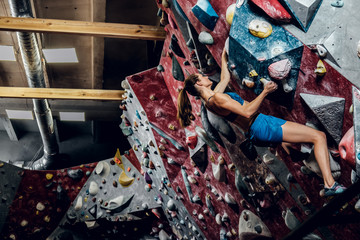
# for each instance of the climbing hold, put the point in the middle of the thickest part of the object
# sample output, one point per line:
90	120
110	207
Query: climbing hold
248	82
229	199
253	73
171	205
124	180
219	172
264	81
320	69
191	141
267	159
230	13
260	29
270	179
248	221
40	206
205	13
358	49
177	70
218	219
209	205
171	127
337	3
147	178
48	176
290	219
93	188
118	203
24	223
102	169
346	147
75	174
165	3
196	199
171	161
273	9
321	50
280	70
206	38
225	217
174	46
202	134
125	84
191	179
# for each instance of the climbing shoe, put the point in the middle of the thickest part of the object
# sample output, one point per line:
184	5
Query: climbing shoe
334	190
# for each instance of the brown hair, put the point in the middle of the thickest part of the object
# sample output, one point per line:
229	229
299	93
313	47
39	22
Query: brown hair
184	113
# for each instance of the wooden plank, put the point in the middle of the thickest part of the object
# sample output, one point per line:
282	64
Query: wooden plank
61	93
98	29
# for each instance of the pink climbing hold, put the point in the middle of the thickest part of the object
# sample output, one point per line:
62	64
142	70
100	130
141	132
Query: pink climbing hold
273	9
280	70
191	141
346	147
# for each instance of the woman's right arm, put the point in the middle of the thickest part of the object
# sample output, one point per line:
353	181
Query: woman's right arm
246	110
225	74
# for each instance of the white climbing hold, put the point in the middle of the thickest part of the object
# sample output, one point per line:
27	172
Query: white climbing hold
321	50
229	199
78	204
267	159
206	38
218	219
171	205
93	188
219	172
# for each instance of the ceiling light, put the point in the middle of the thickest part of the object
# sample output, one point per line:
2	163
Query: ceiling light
20	114
7	53
72	116
60	55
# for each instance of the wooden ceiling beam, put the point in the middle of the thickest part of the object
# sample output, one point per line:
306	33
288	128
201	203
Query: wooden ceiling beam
62	93
96	29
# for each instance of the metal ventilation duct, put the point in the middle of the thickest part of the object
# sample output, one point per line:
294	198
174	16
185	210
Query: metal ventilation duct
30	53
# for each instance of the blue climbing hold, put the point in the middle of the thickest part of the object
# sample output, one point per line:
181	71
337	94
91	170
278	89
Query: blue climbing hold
205	13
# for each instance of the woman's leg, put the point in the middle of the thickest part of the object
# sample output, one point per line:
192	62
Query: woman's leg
298	133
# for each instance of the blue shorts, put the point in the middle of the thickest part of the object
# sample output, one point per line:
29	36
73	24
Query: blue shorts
267	129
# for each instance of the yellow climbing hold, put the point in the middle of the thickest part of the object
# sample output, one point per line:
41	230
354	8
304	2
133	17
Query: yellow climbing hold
47	218
260	29
230	13
124	180
49	176
118	159
1	164
320	69
253	73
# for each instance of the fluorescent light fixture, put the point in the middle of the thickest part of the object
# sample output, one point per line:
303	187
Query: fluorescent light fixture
72	116
7	53
60	55
20	114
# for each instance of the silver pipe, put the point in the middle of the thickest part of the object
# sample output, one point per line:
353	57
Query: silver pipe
31	57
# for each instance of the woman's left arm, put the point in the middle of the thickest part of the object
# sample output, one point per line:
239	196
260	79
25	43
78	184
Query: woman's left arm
225	74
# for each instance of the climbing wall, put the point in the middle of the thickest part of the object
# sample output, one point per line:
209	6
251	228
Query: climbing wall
196	182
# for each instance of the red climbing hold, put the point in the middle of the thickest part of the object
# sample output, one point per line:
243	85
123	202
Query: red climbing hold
273	9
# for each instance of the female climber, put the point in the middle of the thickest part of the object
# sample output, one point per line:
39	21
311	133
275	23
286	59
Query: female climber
260	127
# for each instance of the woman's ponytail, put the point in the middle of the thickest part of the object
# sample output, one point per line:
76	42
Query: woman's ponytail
184	113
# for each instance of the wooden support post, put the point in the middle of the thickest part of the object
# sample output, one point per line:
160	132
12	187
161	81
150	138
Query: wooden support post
61	93
9	129
98	29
